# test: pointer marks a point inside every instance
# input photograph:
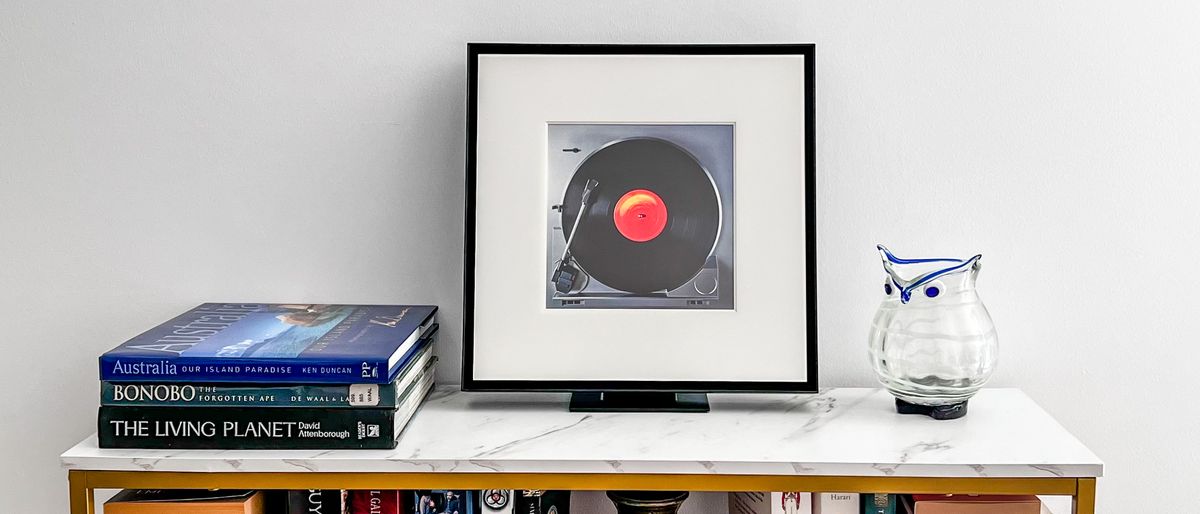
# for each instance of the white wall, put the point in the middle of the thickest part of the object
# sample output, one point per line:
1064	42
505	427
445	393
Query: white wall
157	154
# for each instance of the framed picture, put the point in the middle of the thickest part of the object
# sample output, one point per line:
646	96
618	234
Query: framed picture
640	217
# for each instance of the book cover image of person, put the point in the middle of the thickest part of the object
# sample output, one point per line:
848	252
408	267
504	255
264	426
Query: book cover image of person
445	502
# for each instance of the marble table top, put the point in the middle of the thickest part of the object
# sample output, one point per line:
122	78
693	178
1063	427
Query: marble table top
853	432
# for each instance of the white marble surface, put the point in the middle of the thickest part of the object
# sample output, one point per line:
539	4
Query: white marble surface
838	432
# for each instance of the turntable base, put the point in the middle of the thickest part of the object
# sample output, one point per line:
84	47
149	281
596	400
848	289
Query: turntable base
627	401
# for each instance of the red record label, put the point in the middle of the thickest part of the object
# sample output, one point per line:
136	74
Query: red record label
640	215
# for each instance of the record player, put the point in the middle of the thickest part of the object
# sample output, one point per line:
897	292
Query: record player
640	216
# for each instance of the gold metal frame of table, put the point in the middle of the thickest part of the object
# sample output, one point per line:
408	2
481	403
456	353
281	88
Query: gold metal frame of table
83	483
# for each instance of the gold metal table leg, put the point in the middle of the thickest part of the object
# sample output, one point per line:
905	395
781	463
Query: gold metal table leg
1084	500
83	500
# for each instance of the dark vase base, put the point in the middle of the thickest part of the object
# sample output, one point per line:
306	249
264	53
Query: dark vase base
952	411
647	502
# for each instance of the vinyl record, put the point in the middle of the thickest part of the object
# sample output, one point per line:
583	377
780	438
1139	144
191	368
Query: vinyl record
650	223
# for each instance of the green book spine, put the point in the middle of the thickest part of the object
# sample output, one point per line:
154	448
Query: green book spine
234	429
153	394
879	503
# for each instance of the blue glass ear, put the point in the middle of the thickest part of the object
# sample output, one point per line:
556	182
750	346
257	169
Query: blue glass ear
924	282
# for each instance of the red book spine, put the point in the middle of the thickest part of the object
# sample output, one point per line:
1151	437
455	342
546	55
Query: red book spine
375	502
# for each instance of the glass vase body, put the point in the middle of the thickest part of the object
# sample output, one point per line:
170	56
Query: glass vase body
932	341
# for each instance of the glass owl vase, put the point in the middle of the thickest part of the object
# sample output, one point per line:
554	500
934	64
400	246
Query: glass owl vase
932	342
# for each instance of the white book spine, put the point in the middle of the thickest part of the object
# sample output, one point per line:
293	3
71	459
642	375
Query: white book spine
835	503
792	502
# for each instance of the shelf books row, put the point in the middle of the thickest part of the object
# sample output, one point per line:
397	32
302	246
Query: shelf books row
854	503
495	501
270	376
498	501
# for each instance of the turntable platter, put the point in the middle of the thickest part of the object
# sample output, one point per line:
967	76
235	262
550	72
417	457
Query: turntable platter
652	221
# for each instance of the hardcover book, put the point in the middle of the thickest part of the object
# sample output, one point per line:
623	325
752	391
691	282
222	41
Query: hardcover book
977	504
375	502
441	502
835	503
787	502
219	394
541	502
184	501
879	503
497	501
280	428
315	501
411	401
233	342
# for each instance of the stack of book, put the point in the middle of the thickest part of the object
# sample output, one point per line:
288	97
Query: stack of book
269	376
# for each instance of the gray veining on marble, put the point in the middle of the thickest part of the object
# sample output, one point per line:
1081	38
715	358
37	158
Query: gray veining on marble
837	432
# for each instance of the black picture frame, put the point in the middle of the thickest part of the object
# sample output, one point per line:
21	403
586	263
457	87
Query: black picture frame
470	383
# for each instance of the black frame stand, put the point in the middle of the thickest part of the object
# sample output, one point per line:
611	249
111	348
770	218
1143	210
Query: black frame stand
637	401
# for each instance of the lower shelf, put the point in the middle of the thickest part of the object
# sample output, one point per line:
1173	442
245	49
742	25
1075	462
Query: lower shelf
85	482
594	502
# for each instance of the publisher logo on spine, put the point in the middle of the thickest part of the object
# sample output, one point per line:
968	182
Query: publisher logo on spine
369	370
367	430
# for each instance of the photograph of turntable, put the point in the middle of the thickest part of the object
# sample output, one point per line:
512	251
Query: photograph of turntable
640	216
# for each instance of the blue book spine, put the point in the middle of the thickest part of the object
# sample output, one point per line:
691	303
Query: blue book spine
211	369
273	343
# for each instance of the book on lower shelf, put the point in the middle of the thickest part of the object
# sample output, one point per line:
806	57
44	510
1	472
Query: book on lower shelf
184	501
534	502
374	502
973	504
879	503
836	503
317	501
785	502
